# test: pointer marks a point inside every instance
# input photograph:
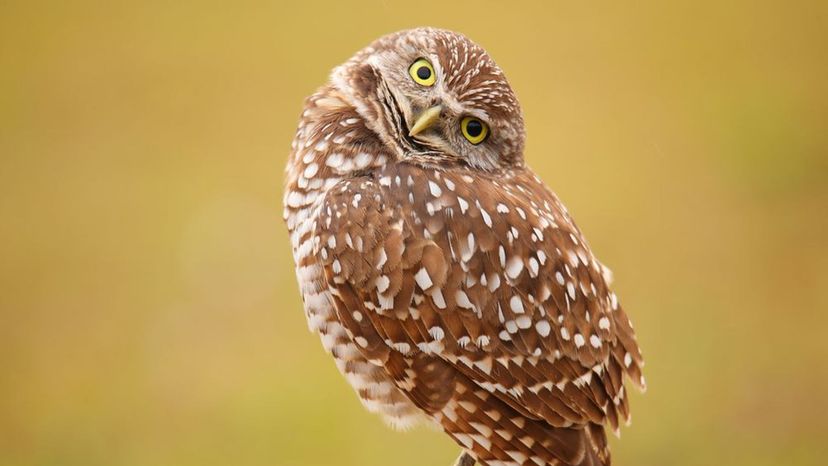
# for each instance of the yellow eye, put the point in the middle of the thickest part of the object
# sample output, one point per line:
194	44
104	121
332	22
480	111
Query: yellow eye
422	72
474	130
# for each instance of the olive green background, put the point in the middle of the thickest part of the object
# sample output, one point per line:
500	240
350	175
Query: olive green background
148	308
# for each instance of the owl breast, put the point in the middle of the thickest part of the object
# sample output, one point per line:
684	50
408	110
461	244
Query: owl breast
323	154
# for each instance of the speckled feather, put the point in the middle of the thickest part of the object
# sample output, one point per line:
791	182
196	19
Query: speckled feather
454	289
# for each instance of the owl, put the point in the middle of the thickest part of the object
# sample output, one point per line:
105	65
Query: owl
450	285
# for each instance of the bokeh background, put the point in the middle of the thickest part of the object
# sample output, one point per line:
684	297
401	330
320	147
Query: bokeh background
148	309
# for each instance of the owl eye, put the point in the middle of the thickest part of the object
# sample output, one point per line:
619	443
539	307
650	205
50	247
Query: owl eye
474	130
422	72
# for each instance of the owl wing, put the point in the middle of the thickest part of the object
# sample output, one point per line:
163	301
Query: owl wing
479	285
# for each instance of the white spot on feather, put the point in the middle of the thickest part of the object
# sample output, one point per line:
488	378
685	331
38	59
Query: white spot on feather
423	279
514	266
382	283
543	328
463	299
434	189
524	321
516	304
437	333
464	205
311	170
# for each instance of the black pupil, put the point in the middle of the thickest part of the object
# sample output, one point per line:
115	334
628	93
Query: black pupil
423	73
474	128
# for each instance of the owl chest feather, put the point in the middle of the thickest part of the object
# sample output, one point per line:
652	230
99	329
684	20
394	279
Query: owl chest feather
376	390
324	153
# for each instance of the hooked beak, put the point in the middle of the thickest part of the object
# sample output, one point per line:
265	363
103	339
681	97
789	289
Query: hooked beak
426	120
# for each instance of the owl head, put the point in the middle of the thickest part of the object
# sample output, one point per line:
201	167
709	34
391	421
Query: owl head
435	97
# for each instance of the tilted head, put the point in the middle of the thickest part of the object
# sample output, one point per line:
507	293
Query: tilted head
435	97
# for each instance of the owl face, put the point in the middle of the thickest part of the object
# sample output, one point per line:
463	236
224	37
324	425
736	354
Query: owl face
434	97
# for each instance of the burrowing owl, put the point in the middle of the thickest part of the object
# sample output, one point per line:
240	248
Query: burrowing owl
447	281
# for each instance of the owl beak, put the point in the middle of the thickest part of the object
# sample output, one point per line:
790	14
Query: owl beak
426	120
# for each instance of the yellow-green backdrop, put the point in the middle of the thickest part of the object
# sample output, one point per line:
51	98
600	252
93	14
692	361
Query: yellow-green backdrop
148	309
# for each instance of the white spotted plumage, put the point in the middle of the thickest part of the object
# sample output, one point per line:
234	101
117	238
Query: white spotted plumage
448	283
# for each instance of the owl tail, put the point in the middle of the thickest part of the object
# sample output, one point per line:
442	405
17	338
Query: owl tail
581	446
494	432
598	450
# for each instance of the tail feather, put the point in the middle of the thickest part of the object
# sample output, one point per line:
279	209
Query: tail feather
494	433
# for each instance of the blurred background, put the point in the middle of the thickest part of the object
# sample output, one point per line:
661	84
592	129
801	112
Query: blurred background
149	313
